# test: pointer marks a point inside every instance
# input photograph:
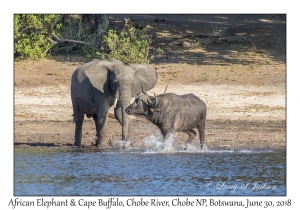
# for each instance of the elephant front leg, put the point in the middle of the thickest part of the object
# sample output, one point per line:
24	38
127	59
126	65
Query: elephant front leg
78	115
78	118
100	123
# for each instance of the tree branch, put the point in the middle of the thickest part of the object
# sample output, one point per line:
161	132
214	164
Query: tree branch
94	46
52	41
59	40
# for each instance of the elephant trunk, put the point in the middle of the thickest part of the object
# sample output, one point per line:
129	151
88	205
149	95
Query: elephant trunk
125	118
125	126
125	121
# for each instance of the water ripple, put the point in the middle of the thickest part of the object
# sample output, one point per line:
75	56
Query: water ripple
150	171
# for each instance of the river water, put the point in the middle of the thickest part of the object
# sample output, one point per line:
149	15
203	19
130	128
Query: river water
156	171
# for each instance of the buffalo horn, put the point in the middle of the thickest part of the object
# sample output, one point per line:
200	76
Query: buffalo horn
152	104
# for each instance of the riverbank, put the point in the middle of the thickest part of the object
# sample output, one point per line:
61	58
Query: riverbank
243	84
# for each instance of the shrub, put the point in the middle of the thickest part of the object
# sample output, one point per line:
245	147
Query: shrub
130	45
30	34
33	39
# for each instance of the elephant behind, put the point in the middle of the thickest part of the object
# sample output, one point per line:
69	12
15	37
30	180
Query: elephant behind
100	84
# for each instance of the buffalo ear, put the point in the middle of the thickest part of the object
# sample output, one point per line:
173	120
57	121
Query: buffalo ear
145	79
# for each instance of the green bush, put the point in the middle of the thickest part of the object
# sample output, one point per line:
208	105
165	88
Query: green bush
30	35
33	35
130	45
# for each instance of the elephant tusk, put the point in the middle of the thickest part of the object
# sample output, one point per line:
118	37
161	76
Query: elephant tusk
115	103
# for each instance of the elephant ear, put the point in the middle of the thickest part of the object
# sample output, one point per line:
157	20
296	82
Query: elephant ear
145	79
98	74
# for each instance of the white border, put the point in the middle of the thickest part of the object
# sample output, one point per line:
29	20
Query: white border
218	6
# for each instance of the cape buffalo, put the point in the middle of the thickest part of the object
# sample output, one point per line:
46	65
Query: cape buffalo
171	112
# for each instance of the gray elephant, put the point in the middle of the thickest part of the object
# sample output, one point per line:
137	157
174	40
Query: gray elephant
99	84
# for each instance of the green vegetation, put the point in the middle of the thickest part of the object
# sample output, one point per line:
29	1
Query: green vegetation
130	45
204	75
245	41
35	36
175	75
30	35
160	51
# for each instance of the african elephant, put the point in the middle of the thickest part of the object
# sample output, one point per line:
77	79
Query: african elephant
99	84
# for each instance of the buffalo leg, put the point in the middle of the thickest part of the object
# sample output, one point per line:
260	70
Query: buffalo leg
192	135
165	129
201	128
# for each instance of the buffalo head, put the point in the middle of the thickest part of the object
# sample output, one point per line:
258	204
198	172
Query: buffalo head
143	104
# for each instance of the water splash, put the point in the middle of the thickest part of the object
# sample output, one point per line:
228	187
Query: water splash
157	144
122	145
194	148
